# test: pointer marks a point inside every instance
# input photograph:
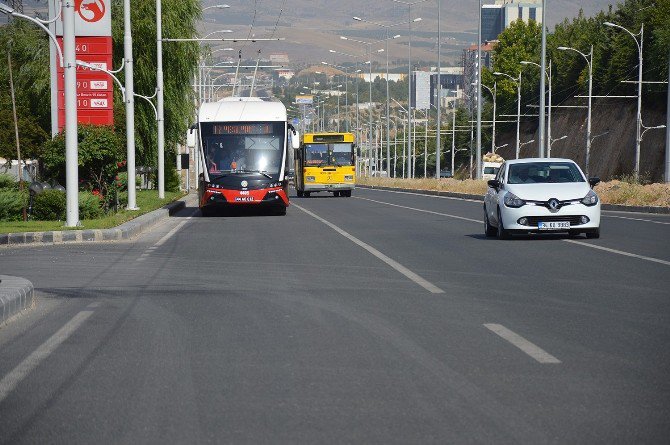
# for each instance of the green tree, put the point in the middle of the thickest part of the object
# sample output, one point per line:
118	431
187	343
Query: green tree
30	65
180	61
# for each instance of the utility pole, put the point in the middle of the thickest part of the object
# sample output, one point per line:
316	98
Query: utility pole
478	173
438	122
667	130
19	172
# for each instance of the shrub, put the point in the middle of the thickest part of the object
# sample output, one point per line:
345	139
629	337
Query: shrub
11	204
49	206
172	179
7	182
90	206
100	157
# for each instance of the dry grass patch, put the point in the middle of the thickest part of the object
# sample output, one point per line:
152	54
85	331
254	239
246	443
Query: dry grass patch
612	192
469	186
620	192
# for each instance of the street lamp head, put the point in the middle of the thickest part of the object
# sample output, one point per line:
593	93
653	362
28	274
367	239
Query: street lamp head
563	48
397	36
380	50
343	38
609	24
418	19
358	19
524	62
332	51
6	9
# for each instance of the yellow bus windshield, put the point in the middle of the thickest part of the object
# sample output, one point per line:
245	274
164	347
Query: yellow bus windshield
338	154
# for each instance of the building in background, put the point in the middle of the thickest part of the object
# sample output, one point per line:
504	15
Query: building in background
470	67
501	14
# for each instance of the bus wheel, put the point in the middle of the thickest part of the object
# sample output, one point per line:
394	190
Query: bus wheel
206	211
300	193
336	194
307	194
347	193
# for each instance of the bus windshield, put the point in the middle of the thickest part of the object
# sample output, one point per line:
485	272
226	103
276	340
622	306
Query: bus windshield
338	154
243	146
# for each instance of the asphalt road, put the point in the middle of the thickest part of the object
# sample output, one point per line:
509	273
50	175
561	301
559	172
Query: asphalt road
382	318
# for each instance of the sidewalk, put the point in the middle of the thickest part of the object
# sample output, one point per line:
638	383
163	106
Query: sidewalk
125	231
16	295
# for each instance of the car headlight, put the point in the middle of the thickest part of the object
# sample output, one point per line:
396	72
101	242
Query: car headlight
310	178
511	200
590	199
348	177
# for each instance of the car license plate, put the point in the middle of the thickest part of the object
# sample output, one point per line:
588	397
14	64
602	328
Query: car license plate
554	225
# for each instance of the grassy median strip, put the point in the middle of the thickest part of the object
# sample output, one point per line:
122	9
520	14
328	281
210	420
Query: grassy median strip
611	192
147	201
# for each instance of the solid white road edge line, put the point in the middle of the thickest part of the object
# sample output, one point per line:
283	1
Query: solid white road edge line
581	243
420	210
430	287
618	252
637	219
529	348
11	380
420	194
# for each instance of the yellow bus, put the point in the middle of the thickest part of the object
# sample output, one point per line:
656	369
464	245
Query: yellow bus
325	162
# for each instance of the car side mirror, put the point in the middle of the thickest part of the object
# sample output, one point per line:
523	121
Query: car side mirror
493	183
594	181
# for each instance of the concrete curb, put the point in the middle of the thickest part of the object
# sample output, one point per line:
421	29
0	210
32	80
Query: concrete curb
609	207
125	231
16	294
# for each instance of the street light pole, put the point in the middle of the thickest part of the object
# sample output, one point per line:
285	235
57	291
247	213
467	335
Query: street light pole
71	151
638	137
160	100
130	105
493	94
543	67
589	62
518	106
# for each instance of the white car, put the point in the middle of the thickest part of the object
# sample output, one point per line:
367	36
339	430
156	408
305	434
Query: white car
541	195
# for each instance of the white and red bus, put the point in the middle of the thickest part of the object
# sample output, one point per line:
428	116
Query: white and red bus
243	151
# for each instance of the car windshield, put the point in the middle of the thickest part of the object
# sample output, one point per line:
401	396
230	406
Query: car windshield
329	154
243	146
544	172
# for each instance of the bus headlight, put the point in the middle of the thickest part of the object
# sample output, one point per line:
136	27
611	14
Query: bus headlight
348	177
310	178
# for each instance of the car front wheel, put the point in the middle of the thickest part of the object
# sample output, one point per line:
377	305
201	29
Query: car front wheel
502	232
489	230
595	234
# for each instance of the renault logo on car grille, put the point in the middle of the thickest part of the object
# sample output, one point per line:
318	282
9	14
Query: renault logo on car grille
244	183
553	204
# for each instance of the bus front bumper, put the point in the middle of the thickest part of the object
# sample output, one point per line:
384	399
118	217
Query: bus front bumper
328	187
